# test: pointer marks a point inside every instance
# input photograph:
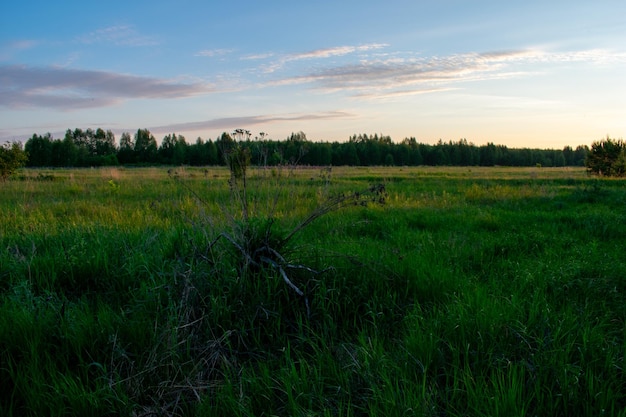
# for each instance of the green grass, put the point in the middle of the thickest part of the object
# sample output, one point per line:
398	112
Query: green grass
471	291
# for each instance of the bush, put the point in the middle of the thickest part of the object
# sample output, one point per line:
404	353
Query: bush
607	158
12	157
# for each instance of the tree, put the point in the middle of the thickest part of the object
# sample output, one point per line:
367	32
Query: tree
295	147
82	145
568	154
126	152
12	157
197	153
211	153
145	146
224	144
180	151
580	154
350	157
39	150
606	158
167	148
66	153
488	154
558	159
104	143
620	164
297	137
325	154
415	156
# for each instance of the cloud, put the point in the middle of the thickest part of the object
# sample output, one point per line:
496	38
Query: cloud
319	54
23	44
398	72
67	89
402	93
122	35
213	52
257	56
335	51
390	77
9	49
233	122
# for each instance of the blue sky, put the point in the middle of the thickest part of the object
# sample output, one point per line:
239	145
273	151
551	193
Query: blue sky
520	73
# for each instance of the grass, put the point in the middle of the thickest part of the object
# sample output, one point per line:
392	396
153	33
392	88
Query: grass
482	291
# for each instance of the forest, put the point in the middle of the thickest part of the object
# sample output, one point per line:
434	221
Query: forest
85	148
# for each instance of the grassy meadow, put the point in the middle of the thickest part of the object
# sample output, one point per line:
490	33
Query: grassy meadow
450	292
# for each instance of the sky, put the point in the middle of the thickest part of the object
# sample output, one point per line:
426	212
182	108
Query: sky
539	74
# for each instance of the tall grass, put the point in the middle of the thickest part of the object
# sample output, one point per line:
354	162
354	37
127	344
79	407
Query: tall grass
470	292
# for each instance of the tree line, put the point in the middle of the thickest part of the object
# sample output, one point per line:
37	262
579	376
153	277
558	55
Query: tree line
85	148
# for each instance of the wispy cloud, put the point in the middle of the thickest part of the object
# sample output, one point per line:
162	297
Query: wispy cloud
122	35
68	89
400	72
592	56
23	44
257	56
402	93
336	51
391	77
7	50
210	53
233	122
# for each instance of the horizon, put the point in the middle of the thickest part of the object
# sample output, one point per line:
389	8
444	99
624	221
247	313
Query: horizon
531	75
256	138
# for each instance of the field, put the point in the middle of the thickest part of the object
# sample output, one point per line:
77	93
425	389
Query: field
411	292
